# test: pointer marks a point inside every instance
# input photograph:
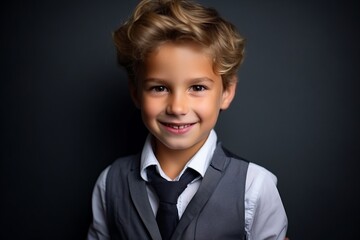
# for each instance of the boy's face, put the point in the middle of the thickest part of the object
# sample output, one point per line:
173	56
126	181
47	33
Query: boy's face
180	96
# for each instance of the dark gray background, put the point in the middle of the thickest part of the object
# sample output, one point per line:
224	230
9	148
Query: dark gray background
66	113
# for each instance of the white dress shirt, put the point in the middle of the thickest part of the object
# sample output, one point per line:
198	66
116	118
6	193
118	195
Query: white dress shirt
265	217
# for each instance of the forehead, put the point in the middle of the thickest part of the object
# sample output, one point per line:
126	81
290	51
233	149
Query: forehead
179	59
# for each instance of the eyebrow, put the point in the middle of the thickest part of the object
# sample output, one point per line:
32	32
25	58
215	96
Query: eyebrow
202	79
159	80
192	80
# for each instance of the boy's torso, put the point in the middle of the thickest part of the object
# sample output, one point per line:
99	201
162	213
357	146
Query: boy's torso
215	212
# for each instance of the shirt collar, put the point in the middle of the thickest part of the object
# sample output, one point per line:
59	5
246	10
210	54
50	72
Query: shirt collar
199	162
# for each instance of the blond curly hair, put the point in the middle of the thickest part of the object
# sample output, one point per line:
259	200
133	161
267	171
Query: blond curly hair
155	22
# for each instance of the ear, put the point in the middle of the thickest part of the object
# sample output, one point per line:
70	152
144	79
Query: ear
134	93
228	94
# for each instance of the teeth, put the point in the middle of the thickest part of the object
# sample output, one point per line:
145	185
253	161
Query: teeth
178	127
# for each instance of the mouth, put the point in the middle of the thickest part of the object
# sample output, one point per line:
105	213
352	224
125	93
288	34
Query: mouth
177	128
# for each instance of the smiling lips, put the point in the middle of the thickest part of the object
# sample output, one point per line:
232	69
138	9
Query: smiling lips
177	128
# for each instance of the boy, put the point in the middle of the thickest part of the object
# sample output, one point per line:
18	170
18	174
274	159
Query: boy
181	59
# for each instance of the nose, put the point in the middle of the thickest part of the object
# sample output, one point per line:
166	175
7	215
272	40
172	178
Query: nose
177	104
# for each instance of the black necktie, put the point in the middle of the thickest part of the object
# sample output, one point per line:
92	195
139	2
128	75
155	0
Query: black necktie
168	192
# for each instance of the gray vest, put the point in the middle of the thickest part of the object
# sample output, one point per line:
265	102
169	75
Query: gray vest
215	212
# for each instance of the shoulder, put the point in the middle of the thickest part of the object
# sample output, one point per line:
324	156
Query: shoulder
123	165
259	175
223	157
119	166
255	174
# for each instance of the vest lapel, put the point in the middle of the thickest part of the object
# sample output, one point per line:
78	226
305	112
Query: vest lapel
140	199
211	178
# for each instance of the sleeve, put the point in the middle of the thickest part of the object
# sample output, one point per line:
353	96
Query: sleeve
265	216
98	229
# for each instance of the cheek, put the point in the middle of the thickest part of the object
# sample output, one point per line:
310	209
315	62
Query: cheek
149	107
208	109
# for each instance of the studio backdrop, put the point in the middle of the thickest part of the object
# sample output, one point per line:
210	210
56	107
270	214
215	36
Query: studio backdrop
66	113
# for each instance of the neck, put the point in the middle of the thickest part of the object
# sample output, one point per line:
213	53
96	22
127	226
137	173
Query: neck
173	161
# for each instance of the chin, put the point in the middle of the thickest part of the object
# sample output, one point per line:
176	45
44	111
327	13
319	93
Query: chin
176	146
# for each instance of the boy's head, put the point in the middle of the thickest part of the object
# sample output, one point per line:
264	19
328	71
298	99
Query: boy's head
181	59
155	22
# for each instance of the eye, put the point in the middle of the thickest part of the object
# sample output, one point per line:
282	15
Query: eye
158	88
198	88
